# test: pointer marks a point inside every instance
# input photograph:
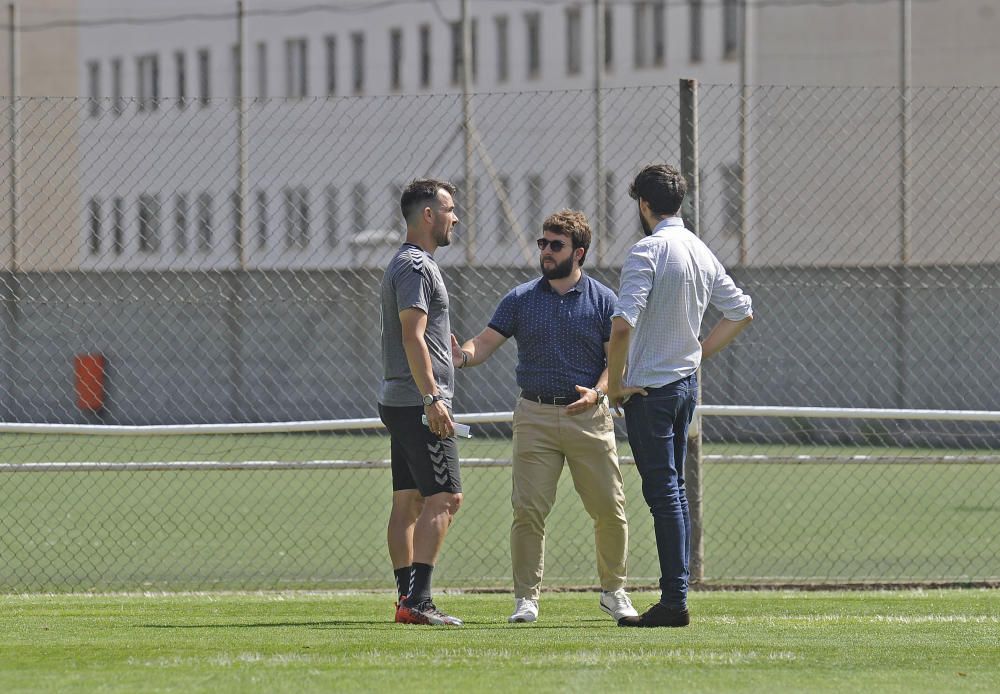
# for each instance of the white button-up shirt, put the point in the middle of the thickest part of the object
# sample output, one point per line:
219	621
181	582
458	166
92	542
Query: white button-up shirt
667	283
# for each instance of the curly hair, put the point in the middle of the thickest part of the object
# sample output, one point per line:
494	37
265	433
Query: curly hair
572	224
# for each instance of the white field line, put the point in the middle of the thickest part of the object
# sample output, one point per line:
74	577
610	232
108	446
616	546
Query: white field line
716	459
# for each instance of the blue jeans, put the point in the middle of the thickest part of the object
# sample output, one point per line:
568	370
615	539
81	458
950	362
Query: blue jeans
657	431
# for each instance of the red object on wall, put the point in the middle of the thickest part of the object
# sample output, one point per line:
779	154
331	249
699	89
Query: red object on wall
88	370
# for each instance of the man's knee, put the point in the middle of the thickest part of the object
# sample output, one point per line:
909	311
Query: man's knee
444	502
407	505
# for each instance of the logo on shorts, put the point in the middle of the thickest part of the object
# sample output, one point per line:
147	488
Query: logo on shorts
439	461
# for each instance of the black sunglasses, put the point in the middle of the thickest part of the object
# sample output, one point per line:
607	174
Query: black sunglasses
556	245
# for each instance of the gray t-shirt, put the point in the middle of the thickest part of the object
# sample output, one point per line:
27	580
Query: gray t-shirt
413	280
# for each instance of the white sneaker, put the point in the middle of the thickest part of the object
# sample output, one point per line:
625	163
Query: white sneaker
525	610
617	604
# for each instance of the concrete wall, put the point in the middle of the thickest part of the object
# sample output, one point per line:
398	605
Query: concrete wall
189	347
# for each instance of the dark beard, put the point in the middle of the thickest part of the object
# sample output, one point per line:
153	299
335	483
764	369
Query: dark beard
442	238
646	229
559	270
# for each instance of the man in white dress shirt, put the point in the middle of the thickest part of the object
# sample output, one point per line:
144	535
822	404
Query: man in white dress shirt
668	280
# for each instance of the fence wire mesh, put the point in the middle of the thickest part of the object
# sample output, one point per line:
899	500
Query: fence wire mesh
873	276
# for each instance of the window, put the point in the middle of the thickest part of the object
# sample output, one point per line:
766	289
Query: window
457	51
609	34
574	191
261	70
535	218
236	63
260	201
396	58
330	202
94	88
180	66
358	62
504	206
296	217
695	15
149	223
503	49
296	69
359	207
118	226
94	226
425	55
204	222
331	65
730	29
180	222
204	83
117	103
640	26
649	32
574	41
148	73
237	218
659	30
533	27
609	203
732	216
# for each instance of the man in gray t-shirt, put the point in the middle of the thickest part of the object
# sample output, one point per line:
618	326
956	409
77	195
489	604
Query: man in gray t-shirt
417	382
413	280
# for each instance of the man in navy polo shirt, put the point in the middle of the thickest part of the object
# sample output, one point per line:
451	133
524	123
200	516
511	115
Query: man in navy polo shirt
562	324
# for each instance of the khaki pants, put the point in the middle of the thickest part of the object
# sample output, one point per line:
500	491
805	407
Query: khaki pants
545	436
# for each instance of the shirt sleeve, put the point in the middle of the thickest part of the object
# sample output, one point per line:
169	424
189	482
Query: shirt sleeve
505	317
636	283
607	311
413	288
728	298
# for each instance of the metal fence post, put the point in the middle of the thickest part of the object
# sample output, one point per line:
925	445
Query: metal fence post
690	211
12	314
470	176
599	187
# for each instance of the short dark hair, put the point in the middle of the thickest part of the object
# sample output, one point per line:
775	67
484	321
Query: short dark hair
572	224
419	192
660	185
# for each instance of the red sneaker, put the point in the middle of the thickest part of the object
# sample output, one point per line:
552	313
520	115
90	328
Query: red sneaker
425	613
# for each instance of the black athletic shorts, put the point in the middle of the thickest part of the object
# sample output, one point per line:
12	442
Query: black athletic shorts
420	460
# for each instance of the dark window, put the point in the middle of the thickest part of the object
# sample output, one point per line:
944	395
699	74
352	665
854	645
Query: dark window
118	226
204	76
94	226
396	58
204	220
180	222
331	65
149	223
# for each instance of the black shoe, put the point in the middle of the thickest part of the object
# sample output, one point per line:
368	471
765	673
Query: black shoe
659	615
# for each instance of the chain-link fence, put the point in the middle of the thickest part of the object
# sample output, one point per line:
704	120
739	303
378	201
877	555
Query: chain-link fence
865	240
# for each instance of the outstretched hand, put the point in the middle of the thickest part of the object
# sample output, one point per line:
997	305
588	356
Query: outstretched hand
458	357
588	399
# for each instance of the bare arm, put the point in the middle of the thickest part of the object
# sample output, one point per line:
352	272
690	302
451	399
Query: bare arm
724	332
418	357
588	394
621	336
478	349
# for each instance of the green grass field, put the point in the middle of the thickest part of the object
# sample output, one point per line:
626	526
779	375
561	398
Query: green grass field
193	530
907	641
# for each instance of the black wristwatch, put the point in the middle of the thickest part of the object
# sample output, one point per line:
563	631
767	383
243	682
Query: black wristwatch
431	399
602	397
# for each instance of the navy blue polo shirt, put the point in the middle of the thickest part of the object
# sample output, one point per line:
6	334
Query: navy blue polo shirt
560	339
